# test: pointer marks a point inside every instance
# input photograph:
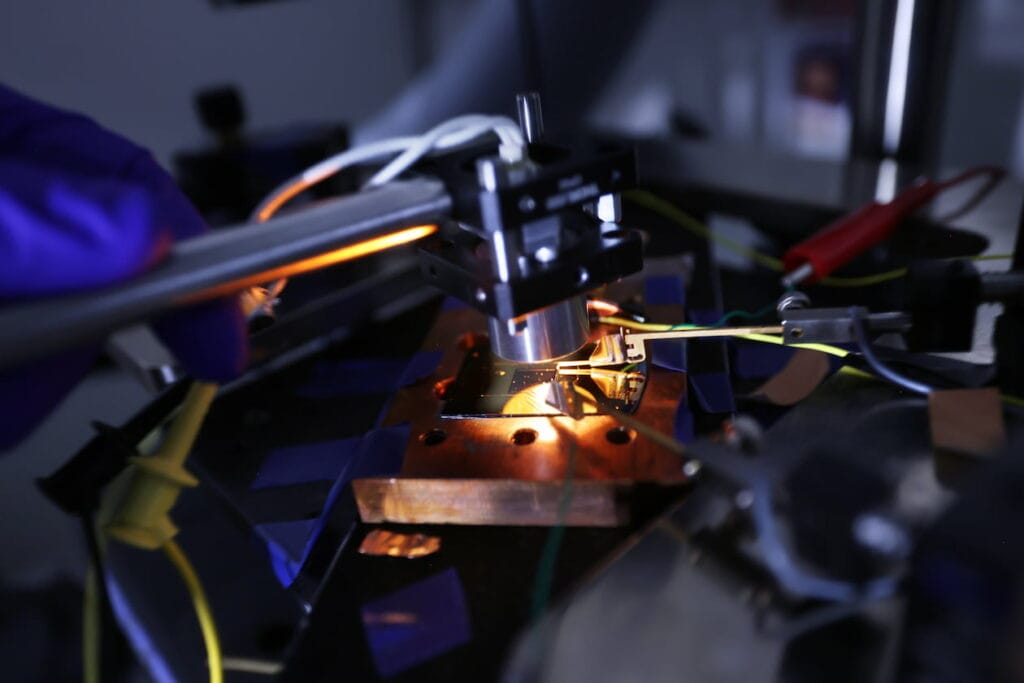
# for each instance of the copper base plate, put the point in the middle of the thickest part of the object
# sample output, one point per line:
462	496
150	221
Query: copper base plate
529	448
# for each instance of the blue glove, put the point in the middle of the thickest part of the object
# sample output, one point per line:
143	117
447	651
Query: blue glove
81	207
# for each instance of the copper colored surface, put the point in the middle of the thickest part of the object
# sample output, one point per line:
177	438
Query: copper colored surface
529	448
393	544
490	502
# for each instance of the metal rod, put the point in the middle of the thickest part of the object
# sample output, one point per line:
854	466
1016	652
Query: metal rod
708	332
531	120
208	265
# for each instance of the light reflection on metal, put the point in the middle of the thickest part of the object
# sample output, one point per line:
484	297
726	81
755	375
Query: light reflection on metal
482	448
389	618
353	251
602	307
899	64
630	347
503	502
393	544
533	401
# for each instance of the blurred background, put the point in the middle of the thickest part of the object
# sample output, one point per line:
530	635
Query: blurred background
775	74
218	87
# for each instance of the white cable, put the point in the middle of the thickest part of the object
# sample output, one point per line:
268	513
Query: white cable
448	134
331	165
410	149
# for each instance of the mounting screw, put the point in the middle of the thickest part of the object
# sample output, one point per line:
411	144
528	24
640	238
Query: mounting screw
545	254
881	535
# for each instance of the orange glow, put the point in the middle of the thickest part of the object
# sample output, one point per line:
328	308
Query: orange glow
533	401
279	201
353	251
602	307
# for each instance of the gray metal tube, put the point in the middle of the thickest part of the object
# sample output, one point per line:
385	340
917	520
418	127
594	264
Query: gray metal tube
197	267
551	332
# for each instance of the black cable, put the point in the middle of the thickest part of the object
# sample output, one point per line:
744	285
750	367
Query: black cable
994	177
529	47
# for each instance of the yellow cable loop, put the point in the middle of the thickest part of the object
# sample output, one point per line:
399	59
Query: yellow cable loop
142	518
202	607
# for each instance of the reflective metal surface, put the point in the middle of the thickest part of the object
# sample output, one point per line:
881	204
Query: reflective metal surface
198	267
551	332
504	502
529	448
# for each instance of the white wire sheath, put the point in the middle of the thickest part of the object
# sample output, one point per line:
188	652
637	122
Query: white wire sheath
409	149
406	151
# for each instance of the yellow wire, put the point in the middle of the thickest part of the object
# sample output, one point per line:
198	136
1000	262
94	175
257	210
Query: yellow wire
91	627
1012	400
684	220
862	280
773	339
643	327
763	338
202	607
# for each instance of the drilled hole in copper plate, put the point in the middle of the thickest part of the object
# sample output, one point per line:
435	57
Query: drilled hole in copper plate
433	437
471	340
619	436
523	437
441	388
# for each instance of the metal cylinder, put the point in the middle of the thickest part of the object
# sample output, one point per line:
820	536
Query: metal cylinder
531	120
551	332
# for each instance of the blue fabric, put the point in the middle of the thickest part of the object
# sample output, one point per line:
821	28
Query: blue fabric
288	544
684	427
704	316
81	207
417	623
368	375
660	290
320	461
669	354
756	361
450	303
378	453
422	365
666	290
712	392
348	377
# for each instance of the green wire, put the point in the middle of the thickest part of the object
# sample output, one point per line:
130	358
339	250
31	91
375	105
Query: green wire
549	555
728	317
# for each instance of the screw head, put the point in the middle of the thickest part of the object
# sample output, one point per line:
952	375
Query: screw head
545	254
